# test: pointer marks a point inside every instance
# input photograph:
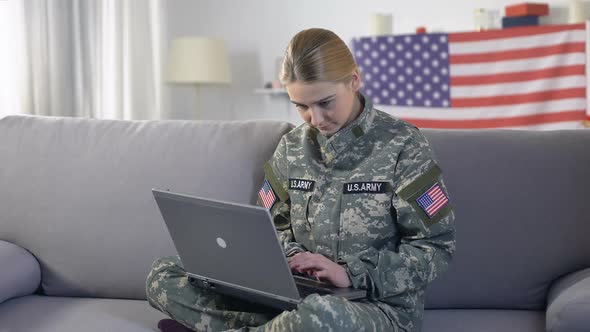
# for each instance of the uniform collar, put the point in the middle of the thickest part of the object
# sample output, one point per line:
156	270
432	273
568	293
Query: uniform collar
338	142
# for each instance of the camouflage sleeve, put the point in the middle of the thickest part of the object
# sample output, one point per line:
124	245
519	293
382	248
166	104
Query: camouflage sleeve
278	202
425	225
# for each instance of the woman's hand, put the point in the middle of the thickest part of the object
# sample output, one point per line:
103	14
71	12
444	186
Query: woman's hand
320	266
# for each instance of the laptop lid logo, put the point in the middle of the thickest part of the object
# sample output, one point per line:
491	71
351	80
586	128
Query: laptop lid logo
221	243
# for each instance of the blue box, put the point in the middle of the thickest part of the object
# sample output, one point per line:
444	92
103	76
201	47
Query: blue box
519	21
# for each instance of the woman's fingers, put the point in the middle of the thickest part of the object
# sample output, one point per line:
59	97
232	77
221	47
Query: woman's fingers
308	261
297	258
311	264
320	267
321	274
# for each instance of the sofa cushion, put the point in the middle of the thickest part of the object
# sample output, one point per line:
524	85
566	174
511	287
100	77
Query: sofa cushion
21	274
521	205
77	192
568	303
483	321
63	314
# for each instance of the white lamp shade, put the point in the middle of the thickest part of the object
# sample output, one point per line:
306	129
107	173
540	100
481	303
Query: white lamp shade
198	60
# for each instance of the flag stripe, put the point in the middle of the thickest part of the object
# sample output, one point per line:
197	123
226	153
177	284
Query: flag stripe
555	106
499	122
265	198
433	191
268	200
514	32
439	197
502	89
521	53
520	98
552	126
436	206
436	195
514	43
518	76
511	66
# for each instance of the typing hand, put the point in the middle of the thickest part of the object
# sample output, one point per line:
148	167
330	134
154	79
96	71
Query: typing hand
320	267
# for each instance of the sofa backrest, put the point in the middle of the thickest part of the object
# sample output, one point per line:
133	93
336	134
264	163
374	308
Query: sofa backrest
522	204
77	192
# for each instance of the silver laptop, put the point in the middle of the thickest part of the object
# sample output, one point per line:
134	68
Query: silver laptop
234	249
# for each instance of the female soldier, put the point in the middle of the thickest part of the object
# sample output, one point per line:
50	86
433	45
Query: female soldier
359	202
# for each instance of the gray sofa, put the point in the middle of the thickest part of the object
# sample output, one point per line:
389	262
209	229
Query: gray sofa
79	227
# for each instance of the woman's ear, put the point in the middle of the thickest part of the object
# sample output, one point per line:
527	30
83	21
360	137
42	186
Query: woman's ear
356	80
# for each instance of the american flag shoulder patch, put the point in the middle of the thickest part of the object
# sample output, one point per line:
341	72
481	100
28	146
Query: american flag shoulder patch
267	195
433	200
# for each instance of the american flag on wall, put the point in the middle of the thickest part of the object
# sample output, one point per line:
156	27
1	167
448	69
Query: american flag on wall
530	77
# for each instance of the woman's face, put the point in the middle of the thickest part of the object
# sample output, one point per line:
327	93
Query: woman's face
326	106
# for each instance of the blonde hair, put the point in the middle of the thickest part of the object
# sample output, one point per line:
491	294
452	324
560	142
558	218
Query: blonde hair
315	55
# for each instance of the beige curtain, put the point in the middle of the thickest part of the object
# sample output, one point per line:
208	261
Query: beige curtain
88	58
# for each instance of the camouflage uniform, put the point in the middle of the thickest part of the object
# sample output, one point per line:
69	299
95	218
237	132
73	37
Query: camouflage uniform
358	198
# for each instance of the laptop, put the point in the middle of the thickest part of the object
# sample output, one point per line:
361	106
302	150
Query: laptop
234	249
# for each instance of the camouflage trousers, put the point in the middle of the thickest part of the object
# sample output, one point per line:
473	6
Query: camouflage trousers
169	290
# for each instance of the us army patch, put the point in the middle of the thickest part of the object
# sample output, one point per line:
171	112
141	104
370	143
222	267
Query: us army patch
365	188
301	184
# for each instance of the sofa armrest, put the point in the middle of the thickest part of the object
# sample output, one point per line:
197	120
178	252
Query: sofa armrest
20	272
568	303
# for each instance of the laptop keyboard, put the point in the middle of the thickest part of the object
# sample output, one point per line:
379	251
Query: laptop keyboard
307	286
305	290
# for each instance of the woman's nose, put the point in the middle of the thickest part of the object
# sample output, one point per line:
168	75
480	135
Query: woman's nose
316	117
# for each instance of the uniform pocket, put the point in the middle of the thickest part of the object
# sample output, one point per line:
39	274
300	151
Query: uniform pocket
300	216
366	220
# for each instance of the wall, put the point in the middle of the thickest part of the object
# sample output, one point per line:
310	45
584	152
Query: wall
256	33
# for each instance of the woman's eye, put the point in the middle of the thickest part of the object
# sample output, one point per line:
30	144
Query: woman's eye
325	104
301	107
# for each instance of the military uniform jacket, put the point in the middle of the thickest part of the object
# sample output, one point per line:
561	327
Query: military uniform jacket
370	197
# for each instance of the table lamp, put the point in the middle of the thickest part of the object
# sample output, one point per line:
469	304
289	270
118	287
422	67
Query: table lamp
198	60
